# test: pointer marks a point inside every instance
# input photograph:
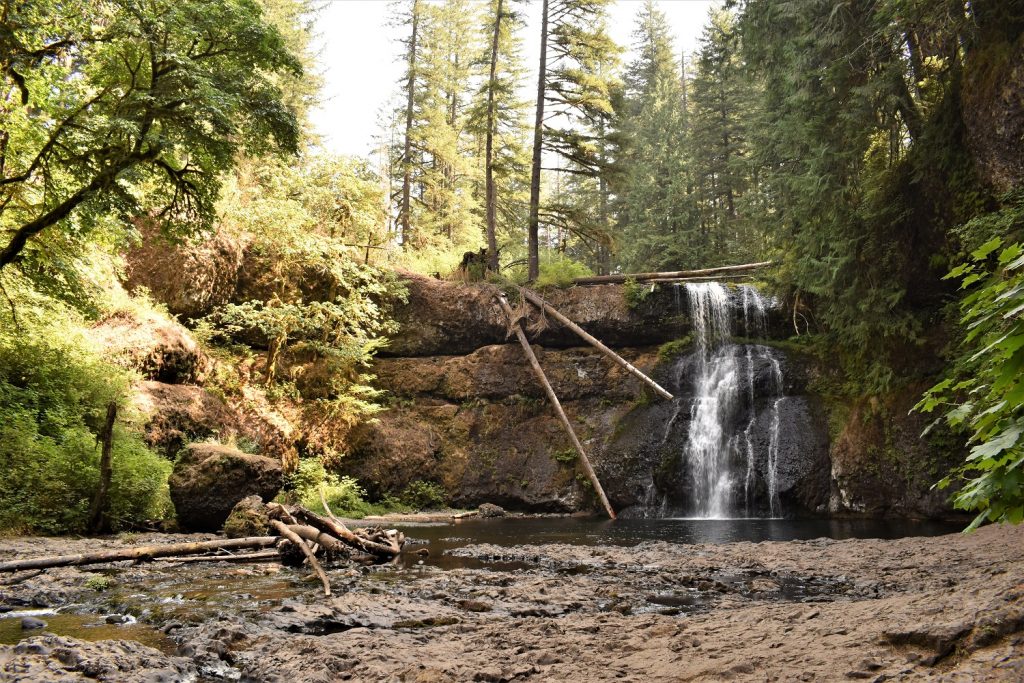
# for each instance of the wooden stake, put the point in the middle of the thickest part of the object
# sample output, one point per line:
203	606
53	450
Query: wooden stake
596	343
542	378
301	544
672	275
141	553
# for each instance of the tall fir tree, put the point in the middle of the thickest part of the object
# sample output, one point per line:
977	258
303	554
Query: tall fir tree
498	118
723	101
656	212
576	81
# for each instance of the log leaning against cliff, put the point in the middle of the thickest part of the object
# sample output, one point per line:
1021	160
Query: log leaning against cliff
517	327
538	301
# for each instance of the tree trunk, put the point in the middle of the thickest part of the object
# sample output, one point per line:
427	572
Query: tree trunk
533	247
407	153
542	378
99	503
142	553
489	189
596	343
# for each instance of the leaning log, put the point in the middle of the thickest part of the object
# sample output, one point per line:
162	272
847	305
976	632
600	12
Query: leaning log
542	378
670	275
533	298
141	553
300	543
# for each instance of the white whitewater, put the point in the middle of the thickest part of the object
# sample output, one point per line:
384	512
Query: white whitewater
724	385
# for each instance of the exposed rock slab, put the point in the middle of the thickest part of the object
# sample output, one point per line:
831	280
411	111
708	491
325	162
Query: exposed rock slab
48	657
947	608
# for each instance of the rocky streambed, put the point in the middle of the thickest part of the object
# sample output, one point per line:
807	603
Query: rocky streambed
940	608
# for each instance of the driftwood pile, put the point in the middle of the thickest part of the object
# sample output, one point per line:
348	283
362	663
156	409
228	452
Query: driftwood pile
301	536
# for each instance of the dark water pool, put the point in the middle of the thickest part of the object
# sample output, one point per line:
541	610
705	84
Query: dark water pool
438	538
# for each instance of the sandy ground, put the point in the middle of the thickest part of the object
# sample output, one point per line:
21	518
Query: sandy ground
948	608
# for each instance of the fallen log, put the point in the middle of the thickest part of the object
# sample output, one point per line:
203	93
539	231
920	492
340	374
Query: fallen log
533	298
241	557
641	277
300	543
542	378
337	528
142	553
705	278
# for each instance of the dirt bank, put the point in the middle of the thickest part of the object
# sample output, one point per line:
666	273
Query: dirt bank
947	608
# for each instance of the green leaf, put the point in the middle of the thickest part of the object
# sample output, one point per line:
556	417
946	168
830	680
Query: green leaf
1005	440
986	249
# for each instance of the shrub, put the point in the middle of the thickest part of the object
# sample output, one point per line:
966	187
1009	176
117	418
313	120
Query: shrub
559	272
344	494
53	395
424	495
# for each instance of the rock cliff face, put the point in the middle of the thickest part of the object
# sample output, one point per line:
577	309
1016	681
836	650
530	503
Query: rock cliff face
466	412
449	318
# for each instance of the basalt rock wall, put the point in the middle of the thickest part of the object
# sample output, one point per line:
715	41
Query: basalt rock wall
466	412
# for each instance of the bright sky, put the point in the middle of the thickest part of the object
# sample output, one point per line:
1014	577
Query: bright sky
359	57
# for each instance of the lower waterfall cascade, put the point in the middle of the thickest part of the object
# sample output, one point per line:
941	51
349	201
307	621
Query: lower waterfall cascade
727	395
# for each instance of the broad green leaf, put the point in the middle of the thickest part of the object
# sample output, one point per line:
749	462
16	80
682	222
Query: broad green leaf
986	249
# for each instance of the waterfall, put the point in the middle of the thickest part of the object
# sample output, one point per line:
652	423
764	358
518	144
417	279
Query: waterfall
720	454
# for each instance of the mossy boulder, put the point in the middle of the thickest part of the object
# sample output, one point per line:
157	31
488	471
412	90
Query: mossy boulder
248	518
209	479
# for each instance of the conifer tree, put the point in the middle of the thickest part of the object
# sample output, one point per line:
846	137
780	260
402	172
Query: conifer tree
574	90
498	117
656	213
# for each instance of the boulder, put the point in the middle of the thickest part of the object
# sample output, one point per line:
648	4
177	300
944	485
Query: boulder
248	518
491	510
209	479
158	348
190	279
177	414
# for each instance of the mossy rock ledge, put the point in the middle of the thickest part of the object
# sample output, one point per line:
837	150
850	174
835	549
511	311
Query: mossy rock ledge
209	479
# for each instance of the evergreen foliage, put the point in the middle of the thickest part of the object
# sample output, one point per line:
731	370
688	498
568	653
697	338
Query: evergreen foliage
656	209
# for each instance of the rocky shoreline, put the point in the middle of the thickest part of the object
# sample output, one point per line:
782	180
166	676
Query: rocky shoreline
944	608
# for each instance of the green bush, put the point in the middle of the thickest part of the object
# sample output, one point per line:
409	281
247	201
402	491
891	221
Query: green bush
53	397
424	495
636	293
344	494
559	272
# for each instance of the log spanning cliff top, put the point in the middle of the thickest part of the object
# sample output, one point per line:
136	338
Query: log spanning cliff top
673	276
443	318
